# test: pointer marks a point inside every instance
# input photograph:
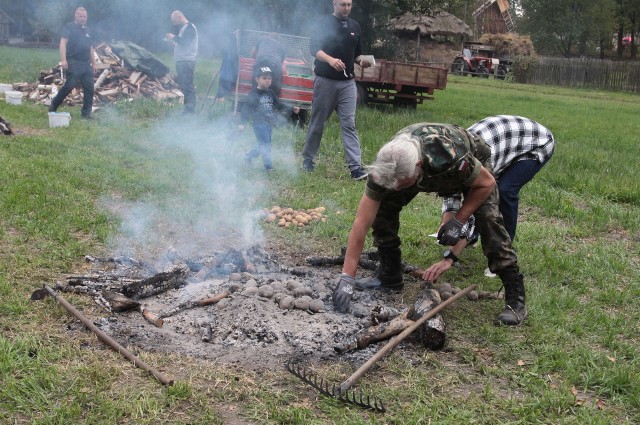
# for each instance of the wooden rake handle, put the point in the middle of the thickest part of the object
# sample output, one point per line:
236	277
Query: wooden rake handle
398	339
108	340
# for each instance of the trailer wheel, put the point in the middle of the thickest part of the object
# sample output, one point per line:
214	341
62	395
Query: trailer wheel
502	74
361	94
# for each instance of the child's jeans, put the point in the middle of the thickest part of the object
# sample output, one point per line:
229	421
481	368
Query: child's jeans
263	135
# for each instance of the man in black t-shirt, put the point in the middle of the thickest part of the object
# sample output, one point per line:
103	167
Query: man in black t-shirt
336	45
77	59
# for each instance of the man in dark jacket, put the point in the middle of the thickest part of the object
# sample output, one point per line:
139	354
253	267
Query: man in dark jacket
77	60
336	45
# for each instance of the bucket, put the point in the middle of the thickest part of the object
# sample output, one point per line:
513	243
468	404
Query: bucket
13	97
5	87
59	119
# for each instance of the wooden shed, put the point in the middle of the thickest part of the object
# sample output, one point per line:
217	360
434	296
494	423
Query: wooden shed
5	26
493	17
435	38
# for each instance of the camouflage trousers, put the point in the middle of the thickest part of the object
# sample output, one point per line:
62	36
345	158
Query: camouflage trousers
496	244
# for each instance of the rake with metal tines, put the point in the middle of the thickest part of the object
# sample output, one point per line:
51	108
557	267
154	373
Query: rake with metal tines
342	392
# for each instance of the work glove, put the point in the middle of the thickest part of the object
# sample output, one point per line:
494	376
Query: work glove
343	293
450	232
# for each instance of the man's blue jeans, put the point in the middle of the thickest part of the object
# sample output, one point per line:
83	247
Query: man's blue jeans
512	179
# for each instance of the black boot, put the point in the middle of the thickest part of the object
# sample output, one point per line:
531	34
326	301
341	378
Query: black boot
514	311
389	273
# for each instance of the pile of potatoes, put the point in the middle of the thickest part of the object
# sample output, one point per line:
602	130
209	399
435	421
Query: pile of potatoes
287	217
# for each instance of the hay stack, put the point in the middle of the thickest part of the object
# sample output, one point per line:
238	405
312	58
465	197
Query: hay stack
509	44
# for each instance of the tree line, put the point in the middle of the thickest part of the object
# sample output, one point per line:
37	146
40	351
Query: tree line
561	27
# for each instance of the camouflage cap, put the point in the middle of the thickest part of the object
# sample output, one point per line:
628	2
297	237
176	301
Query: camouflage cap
443	145
438	153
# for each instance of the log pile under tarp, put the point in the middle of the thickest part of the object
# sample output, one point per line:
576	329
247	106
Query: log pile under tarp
113	81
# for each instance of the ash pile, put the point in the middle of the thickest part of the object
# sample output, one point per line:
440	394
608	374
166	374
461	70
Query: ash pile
244	307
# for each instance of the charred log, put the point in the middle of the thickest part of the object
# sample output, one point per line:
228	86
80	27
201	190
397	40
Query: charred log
161	282
432	333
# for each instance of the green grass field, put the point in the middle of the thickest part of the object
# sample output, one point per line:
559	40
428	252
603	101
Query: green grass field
575	361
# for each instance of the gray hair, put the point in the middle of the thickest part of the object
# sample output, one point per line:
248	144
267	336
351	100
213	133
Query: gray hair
396	160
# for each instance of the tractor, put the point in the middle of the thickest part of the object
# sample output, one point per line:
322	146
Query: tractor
477	59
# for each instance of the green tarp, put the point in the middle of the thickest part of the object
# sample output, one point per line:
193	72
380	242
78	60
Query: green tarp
139	59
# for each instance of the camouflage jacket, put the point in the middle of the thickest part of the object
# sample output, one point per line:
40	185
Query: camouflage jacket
451	159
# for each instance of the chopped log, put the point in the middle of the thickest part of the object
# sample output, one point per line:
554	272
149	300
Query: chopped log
101	79
135	76
142	80
106	93
432	333
161	282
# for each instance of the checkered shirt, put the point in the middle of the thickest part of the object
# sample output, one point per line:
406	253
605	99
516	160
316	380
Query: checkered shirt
514	138
511	139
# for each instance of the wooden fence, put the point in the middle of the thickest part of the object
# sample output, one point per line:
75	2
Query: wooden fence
581	73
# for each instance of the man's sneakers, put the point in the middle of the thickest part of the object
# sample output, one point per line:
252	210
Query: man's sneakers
359	174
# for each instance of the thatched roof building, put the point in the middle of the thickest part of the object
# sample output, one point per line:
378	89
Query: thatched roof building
419	35
441	24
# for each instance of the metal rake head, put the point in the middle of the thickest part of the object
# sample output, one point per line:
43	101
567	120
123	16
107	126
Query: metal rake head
344	395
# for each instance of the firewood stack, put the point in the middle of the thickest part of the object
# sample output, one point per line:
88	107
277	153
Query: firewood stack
113	81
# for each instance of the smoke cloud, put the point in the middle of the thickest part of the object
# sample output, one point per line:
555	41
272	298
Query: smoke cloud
220	201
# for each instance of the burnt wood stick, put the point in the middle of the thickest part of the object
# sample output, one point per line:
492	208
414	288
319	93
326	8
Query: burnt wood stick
151	317
376	333
107	339
212	300
320	261
192	304
368	261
